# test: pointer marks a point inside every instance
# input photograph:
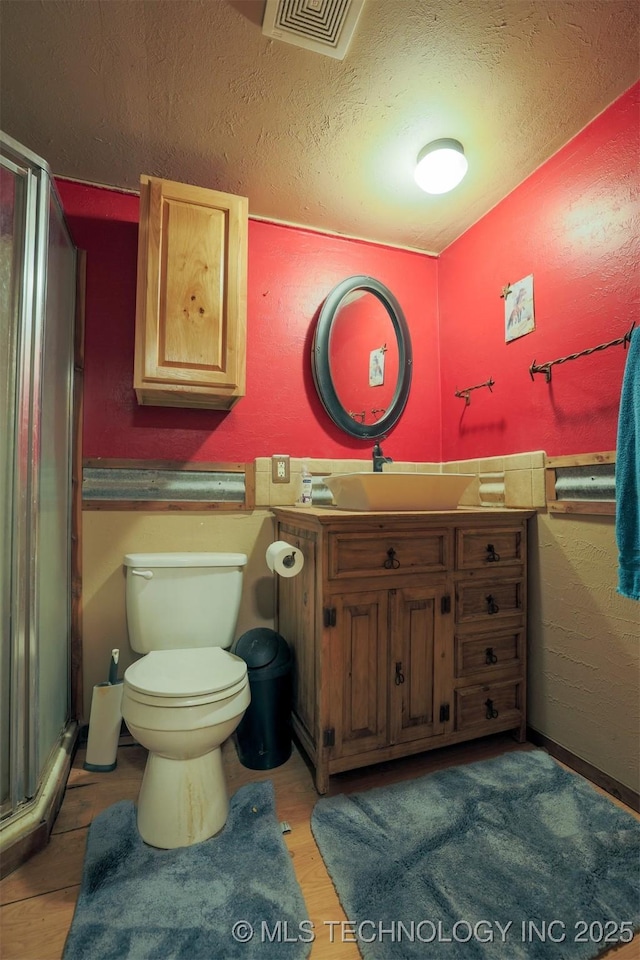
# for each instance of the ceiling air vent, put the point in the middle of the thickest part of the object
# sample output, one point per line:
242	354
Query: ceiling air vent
325	26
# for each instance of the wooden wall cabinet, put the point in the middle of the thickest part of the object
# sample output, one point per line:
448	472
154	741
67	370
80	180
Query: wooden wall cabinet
408	631
191	296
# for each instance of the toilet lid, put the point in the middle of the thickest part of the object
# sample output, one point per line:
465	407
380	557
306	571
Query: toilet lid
186	673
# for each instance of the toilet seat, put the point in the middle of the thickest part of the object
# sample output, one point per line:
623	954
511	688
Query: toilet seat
198	675
172	703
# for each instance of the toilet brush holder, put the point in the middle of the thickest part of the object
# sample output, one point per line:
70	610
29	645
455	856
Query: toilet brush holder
104	727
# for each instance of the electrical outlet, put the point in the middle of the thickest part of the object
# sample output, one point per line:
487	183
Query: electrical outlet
280	468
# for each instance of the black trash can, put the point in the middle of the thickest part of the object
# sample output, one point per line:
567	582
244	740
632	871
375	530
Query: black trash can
263	737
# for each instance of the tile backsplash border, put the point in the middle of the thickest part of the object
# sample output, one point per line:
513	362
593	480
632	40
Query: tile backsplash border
514	481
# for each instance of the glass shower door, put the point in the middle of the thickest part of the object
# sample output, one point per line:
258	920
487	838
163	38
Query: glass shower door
9	245
52	566
37	315
16	199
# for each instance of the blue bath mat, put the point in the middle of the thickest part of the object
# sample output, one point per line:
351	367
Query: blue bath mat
506	859
233	896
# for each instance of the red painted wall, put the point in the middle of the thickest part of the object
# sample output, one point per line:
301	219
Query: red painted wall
575	225
291	271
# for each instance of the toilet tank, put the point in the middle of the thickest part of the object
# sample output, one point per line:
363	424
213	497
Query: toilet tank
182	600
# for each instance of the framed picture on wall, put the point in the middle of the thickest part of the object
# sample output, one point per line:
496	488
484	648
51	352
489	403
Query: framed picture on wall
376	367
519	317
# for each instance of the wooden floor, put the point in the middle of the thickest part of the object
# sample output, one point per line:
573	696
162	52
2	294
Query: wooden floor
38	899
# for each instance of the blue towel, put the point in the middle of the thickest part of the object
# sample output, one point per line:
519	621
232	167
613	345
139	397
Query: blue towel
628	475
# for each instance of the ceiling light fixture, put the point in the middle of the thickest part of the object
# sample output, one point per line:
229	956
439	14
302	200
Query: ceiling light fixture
441	166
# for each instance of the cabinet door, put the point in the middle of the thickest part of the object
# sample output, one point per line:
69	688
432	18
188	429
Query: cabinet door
191	299
358	676
420	662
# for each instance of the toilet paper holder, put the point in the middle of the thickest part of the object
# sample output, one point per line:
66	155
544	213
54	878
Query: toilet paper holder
284	559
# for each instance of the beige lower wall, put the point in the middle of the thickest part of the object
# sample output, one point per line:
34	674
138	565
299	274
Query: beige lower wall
108	535
584	654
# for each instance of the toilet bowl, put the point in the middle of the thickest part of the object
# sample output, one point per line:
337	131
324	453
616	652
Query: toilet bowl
169	710
182	702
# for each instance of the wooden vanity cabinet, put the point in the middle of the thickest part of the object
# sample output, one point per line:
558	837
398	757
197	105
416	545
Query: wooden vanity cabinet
408	631
191	296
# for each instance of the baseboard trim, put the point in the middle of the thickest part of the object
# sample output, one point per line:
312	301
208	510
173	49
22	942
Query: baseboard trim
618	790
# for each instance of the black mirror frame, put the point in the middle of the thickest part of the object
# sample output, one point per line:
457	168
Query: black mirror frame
320	359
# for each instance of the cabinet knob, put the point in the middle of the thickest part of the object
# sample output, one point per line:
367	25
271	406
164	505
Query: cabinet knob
399	678
392	562
492	606
492	556
492	713
490	656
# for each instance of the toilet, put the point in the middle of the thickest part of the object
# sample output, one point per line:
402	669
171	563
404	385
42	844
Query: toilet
187	694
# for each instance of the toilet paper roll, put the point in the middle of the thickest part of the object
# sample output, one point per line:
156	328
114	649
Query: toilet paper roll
284	559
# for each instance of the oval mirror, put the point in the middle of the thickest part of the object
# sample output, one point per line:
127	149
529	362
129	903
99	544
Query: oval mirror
362	358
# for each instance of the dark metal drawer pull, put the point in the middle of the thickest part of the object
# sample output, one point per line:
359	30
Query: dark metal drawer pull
492	556
492	606
490	656
492	713
392	562
399	678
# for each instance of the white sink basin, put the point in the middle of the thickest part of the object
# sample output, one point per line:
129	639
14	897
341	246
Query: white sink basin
398	491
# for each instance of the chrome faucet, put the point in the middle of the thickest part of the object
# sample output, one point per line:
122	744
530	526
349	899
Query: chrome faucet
379	458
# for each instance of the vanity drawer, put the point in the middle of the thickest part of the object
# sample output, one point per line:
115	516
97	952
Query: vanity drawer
489	549
489	600
490	652
490	705
373	554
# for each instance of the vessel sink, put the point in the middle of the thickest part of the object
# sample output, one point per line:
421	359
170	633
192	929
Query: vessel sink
398	491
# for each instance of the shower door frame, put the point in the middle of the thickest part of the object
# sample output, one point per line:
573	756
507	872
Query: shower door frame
37	783
21	600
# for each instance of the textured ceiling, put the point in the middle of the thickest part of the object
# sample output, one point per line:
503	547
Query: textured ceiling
192	90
